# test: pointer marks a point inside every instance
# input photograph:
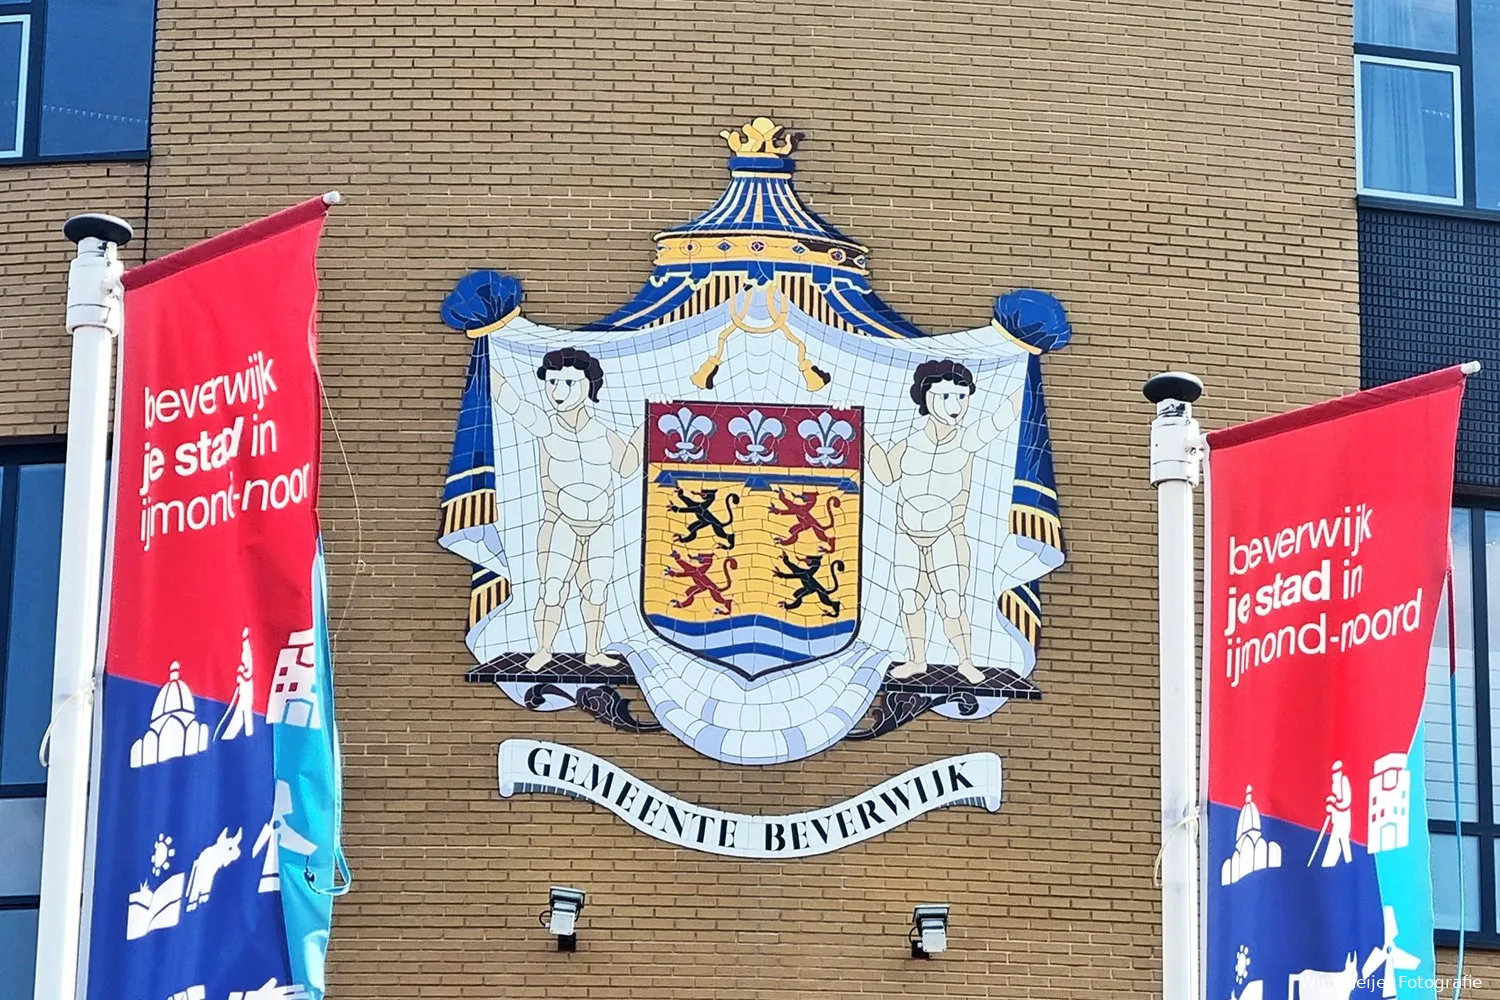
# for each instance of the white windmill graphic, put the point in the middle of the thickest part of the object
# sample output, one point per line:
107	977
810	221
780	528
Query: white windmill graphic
1389	958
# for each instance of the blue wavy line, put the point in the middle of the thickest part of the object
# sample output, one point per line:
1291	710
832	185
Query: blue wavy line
718	625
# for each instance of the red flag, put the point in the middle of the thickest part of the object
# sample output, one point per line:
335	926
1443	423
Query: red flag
219	440
1328	541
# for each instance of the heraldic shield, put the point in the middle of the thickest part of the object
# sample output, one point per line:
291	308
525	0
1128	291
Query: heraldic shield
752	540
755	507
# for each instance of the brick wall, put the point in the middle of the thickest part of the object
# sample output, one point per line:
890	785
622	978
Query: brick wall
34	256
1178	173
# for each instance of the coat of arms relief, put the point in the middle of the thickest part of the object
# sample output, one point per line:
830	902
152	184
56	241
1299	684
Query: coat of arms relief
755	507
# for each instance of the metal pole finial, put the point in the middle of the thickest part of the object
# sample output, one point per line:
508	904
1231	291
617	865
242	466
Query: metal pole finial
105	228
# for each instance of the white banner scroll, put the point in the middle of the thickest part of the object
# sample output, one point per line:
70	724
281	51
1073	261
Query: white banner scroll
971	779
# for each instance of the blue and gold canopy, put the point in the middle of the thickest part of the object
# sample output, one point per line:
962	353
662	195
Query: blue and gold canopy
760	231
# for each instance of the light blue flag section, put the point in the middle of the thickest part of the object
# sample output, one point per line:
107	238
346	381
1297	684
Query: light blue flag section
309	807
1404	961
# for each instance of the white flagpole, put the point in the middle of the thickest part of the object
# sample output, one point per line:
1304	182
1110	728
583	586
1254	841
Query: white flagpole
95	317
1176	460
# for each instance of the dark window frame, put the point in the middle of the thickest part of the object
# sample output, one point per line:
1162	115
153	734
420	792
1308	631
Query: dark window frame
31	135
14	454
1463	60
1486	829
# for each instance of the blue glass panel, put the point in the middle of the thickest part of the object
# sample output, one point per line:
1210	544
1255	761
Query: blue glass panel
1437	714
1447	914
17	952
1408	24
1487	102
96	76
33	622
21	823
12	75
1406	137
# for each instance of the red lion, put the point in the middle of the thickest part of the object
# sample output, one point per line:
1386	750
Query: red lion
806	520
697	572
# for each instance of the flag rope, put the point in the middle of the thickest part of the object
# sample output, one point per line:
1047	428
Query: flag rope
360	566
1458	818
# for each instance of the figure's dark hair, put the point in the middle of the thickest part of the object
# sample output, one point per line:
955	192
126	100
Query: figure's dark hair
929	373
572	357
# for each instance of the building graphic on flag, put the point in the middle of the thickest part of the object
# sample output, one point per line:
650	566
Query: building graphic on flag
174	730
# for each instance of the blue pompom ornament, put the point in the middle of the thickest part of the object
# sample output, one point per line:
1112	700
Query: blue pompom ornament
480	299
1034	318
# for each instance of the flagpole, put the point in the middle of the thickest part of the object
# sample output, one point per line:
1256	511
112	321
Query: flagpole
1176	461
95	316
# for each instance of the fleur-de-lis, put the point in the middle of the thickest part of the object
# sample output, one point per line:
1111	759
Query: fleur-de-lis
827	437
692	431
760	433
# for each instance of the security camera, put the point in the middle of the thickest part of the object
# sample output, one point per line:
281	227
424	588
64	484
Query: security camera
564	905
929	930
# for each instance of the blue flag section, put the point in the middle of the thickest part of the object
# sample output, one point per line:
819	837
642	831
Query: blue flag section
185	901
1353	949
1363	950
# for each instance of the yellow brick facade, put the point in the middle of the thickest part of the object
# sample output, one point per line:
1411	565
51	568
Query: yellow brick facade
1179	174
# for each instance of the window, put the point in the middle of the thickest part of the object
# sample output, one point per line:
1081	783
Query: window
75	78
1476	586
1427	101
1408	146
31	490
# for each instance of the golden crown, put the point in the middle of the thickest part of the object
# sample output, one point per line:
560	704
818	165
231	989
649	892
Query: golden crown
760	137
